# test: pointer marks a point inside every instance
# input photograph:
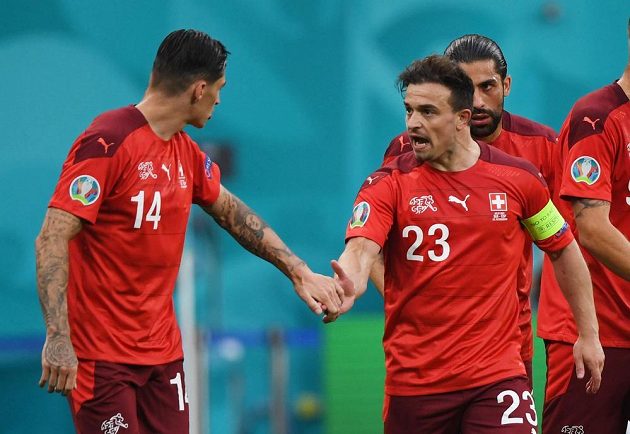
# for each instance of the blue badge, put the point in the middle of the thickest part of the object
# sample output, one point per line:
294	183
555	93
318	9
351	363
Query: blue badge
85	189
585	169
360	215
208	167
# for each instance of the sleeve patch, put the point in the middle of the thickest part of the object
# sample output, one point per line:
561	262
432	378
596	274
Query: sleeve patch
85	189
360	215
545	223
585	169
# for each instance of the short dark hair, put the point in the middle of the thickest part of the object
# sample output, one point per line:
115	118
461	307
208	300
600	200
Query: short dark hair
187	55
471	48
444	71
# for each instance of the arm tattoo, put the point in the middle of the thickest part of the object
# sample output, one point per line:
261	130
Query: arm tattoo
580	205
51	253
249	230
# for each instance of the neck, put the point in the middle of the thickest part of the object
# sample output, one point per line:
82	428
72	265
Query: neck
463	154
163	113
624	81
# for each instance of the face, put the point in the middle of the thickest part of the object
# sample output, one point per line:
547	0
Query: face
207	96
490	91
432	124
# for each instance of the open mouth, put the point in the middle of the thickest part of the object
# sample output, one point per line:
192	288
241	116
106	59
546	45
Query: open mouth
419	143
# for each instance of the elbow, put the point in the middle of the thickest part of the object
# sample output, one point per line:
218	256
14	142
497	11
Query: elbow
587	237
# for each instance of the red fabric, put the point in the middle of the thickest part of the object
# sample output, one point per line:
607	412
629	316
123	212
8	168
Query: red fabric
535	143
597	130
123	264
450	273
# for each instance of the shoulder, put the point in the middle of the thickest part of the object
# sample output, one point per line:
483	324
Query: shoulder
397	146
589	114
527	127
512	165
107	132
401	164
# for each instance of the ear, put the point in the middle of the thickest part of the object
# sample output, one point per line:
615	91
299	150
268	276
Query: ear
507	85
463	119
198	89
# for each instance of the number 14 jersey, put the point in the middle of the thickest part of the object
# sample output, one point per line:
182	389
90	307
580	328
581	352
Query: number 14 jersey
133	192
452	243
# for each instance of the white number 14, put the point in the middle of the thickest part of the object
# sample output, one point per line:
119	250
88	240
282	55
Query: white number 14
154	211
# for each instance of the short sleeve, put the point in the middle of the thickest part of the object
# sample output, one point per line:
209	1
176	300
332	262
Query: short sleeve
374	207
207	179
587	171
87	177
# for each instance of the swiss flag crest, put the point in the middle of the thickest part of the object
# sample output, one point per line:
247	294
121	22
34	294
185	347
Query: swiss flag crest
498	201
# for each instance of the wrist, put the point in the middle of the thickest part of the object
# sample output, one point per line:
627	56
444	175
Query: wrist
297	271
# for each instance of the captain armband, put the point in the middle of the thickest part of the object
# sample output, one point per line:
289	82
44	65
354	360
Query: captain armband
545	223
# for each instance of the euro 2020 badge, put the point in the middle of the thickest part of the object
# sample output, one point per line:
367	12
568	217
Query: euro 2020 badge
85	189
585	169
360	214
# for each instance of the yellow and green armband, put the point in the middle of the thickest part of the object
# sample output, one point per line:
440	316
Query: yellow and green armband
545	223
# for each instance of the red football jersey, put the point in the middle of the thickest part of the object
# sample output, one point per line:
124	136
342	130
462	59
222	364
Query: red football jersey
452	245
595	141
536	143
133	191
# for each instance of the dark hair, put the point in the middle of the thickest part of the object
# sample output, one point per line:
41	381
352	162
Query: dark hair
185	56
470	48
440	70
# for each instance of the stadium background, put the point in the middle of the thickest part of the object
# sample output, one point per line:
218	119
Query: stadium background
309	108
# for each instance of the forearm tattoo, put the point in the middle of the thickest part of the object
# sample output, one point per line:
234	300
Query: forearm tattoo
51	254
249	230
579	205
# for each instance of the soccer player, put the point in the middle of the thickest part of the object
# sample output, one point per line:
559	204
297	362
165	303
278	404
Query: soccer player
451	339
111	243
482	59
595	143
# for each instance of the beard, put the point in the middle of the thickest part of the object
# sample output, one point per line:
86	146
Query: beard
481	131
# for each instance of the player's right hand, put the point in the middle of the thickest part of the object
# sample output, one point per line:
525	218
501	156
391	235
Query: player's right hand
59	364
588	352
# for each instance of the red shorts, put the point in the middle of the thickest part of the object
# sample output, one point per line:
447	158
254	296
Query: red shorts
568	408
505	407
132	398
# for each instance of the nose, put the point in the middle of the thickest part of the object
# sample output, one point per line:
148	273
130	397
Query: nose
414	121
478	100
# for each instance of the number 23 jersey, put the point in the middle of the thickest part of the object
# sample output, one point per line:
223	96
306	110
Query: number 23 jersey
452	243
133	192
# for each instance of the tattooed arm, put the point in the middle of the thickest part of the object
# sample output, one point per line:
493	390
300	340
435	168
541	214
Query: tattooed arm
575	282
600	237
59	362
255	235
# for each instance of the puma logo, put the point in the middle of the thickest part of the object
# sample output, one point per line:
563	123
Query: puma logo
370	180
587	119
105	145
461	202
402	143
167	170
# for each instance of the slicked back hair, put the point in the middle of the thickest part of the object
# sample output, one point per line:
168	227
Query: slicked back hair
186	56
472	48
444	71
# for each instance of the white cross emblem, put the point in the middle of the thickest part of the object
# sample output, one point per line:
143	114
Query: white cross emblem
498	201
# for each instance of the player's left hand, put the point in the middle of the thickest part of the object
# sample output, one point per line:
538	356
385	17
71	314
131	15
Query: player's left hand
588	352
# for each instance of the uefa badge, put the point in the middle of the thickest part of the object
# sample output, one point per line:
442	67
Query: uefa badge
360	215
85	189
585	169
